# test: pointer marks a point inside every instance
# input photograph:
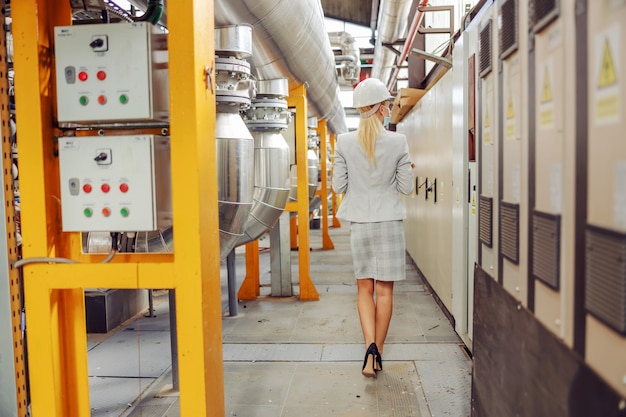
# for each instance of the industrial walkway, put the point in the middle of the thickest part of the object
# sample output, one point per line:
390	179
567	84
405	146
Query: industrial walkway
286	358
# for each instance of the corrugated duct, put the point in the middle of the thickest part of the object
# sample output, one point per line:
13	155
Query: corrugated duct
290	41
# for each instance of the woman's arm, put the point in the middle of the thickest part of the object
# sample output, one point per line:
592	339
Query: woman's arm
340	171
404	176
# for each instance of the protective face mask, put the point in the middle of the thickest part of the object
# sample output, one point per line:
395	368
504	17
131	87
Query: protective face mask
386	121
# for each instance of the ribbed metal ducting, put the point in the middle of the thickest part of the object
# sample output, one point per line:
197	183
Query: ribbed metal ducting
235	145
266	118
392	27
290	42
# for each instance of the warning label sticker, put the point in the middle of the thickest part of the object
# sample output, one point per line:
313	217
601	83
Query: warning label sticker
545	95
606	76
546	91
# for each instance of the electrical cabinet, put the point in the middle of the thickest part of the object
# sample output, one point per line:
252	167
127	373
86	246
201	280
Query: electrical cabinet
111	73
118	183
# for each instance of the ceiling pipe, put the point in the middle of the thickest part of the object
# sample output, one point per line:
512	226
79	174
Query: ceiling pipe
350	58
290	41
417	21
394	16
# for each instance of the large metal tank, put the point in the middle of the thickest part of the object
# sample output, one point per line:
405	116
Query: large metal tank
266	118
235	145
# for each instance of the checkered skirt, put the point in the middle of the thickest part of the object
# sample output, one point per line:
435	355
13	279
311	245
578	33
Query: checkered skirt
378	250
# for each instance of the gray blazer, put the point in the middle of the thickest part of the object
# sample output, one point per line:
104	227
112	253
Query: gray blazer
371	192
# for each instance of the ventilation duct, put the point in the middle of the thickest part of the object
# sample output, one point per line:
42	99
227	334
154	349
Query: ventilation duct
266	118
290	42
392	28
235	145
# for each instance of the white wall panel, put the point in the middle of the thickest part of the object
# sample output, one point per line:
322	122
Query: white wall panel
428	128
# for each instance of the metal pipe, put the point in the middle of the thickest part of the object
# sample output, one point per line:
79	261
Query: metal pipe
267	117
392	27
232	284
351	61
286	35
417	20
173	339
235	145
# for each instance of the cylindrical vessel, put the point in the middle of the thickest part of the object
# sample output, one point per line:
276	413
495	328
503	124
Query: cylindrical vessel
235	146
235	162
266	117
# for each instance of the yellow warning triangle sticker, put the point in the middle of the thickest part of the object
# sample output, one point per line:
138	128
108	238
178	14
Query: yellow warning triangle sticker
546	93
607	71
510	113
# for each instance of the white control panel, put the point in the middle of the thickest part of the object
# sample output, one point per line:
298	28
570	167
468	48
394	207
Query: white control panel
107	73
115	183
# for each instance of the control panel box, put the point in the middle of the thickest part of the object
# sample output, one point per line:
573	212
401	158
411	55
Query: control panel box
115	183
111	73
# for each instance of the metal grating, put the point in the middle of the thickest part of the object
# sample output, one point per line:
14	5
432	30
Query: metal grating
509	231
485	49
605	276
546	248
508	28
485	220
542	12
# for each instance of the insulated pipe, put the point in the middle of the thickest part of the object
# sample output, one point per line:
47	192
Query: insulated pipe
408	43
235	146
290	41
393	27
350	59
267	116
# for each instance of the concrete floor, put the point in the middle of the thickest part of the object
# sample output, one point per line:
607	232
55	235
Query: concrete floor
287	358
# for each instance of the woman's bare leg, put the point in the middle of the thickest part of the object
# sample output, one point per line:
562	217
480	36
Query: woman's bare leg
367	309
384	309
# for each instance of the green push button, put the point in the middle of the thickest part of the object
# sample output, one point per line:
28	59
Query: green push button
88	212
123	99
83	100
124	212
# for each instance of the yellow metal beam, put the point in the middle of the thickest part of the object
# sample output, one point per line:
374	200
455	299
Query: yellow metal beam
335	199
322	130
53	292
250	287
13	278
297	99
194	167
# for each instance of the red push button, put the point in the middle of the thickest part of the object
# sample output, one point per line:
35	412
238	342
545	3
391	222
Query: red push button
102	99
105	188
82	76
87	188
106	212
124	187
101	75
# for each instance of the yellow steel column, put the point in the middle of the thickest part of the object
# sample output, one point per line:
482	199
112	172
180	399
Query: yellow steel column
335	198
297	99
327	242
194	194
250	289
57	360
13	276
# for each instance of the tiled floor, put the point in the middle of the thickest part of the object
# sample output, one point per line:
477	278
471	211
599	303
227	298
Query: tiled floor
287	358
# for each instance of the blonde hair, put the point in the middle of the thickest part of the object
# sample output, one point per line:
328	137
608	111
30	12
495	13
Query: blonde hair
367	132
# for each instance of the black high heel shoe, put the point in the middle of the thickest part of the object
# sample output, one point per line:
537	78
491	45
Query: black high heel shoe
368	363
378	365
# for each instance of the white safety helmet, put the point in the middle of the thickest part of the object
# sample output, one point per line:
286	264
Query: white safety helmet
369	92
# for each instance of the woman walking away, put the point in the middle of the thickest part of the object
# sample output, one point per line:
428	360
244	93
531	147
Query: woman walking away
371	167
